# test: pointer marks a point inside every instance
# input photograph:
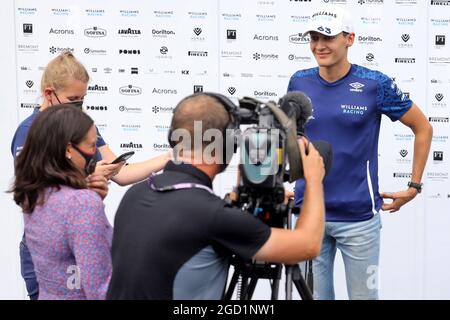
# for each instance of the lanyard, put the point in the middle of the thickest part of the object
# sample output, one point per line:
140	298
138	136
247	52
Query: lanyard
177	186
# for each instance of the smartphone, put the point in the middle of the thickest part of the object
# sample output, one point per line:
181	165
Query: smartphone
123	157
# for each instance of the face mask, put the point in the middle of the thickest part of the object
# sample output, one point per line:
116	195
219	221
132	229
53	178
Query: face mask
77	104
90	164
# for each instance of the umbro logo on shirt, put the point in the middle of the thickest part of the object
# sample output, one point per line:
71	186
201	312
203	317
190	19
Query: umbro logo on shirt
356	87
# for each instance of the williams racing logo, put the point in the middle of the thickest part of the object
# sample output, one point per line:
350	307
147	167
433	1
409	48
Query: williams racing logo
349	109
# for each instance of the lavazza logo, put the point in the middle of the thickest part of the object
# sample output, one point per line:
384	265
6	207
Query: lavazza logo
129	32
131	145
97	89
95	32
130	90
356	87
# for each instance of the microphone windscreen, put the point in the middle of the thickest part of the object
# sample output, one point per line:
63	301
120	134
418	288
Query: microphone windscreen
296	103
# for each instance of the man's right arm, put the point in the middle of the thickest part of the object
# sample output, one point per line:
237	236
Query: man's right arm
304	242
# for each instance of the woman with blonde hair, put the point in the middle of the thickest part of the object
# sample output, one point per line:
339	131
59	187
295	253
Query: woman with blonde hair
65	81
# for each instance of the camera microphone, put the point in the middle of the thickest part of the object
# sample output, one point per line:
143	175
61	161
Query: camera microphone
297	106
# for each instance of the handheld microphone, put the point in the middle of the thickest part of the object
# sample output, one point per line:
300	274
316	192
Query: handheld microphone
297	106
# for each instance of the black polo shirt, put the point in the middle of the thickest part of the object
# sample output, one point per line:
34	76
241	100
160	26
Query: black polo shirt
168	244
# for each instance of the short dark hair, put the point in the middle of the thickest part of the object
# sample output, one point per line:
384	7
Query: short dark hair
42	163
200	107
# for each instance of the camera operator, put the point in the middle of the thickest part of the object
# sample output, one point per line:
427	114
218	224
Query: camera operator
172	234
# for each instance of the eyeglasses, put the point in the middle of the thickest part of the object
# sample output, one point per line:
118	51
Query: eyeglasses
89	158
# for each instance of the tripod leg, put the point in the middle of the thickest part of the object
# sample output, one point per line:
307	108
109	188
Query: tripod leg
232	286
300	284
244	288
288	282
251	288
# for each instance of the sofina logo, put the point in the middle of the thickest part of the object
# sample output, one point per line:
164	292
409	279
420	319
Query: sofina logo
130	90
299	38
95	32
356	87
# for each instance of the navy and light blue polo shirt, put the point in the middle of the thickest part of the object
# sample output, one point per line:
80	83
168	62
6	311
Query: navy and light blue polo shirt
347	113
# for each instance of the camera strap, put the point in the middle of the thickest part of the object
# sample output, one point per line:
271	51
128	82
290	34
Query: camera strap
178	186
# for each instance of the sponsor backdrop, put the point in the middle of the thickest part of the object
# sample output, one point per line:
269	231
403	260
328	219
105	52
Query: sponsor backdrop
144	56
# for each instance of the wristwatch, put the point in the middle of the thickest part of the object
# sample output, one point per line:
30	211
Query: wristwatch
417	186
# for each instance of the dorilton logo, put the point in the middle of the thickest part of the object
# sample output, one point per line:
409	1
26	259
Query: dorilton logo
257	93
29	83
369	39
129	32
164	91
163	33
197	31
198	88
131	145
198	53
231	34
95	32
231	90
440	40
298	38
97	108
405	37
130	90
405	60
439	97
438	119
129	51
27	29
403	153
438	155
97	88
265	37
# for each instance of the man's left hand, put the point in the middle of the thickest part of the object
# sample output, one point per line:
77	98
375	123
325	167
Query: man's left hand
399	199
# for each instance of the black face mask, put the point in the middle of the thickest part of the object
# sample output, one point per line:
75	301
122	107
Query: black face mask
90	164
77	104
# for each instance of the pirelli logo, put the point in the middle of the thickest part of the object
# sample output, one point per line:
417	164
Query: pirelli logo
402	175
405	60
